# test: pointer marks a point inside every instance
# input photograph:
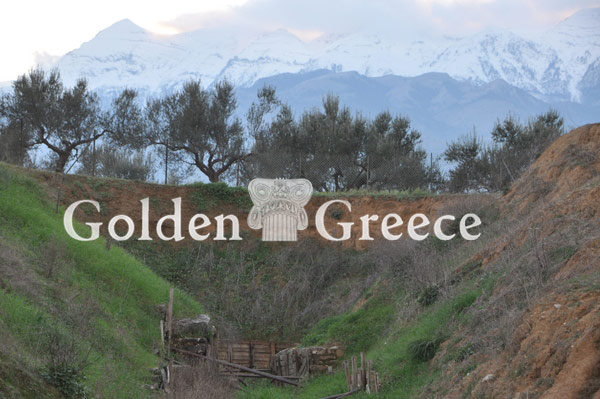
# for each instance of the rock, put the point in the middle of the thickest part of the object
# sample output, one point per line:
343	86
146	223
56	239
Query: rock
489	378
557	305
199	327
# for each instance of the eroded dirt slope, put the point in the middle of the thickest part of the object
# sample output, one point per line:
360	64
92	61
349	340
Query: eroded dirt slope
538	335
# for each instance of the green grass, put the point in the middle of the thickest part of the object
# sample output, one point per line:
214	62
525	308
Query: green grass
123	291
562	253
358	330
402	374
209	196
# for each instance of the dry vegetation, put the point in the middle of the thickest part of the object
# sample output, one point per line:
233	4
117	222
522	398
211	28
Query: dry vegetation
199	382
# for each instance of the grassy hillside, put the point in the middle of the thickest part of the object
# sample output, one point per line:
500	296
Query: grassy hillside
69	303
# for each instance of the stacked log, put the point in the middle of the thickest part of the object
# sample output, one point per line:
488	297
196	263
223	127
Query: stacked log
253	354
306	362
193	334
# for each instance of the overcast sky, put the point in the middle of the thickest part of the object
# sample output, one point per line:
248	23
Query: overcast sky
39	29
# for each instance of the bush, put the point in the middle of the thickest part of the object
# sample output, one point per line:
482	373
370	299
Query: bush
423	350
67	380
429	295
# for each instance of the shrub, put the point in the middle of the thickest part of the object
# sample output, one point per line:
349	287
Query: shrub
68	380
429	295
463	353
423	350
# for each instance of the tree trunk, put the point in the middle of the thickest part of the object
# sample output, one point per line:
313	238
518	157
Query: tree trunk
63	158
213	176
167	162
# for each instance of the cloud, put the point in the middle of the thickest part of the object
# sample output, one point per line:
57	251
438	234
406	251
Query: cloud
44	60
331	16
404	17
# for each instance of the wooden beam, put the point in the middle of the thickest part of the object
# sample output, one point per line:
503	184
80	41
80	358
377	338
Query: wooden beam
369	383
162	336
348	376
170	322
363	370
237	366
354	374
343	395
170	339
242	375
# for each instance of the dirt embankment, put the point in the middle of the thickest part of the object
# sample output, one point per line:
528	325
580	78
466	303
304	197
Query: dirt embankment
552	213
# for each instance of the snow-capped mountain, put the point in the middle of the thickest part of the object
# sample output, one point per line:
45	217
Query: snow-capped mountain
561	64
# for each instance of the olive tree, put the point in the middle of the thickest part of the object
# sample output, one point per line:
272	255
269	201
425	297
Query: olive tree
200	127
66	119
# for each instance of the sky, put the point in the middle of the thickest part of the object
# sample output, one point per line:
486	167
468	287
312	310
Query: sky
37	31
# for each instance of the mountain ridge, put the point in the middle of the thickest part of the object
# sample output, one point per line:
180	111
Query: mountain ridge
549	65
441	107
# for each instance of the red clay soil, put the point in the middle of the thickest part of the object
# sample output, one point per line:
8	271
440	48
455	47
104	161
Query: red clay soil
555	349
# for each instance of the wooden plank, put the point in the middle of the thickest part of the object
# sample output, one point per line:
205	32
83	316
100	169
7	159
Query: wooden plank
243	346
257	372
348	377
261	357
343	395
354	375
170	337
262	365
244	375
170	321
162	335
363	370
369	379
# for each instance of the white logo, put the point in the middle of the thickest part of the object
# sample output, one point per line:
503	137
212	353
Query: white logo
279	211
279	207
